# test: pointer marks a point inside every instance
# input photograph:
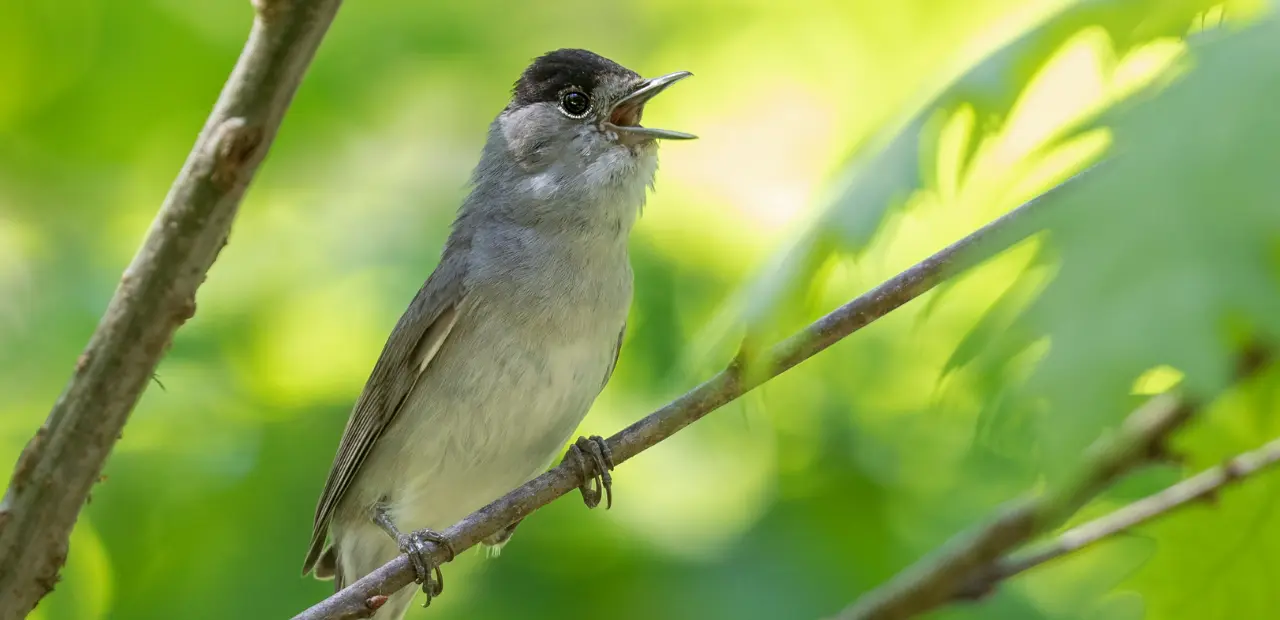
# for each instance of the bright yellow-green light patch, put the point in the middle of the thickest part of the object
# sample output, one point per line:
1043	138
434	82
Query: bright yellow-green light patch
972	295
30	74
1071	86
1144	65
699	490
1157	380
953	139
15	242
139	189
319	344
1076	83
749	181
1244	10
1045	169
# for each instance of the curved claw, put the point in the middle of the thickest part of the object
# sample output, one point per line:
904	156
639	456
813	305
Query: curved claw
596	449
425	571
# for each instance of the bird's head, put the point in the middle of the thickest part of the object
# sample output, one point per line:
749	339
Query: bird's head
575	95
572	129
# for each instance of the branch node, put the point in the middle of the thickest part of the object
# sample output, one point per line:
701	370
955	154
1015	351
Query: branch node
981	585
269	10
49	580
27	460
1232	470
235	143
186	310
375	602
1252	358
1161	454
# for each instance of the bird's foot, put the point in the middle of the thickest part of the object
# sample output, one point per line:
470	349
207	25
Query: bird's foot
414	544
425	571
595	449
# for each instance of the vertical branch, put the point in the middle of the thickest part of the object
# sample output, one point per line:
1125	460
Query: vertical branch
156	295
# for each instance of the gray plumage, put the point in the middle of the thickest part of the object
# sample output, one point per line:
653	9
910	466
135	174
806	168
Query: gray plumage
503	350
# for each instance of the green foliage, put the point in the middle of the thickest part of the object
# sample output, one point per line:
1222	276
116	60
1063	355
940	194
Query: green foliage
1168	249
908	155
925	120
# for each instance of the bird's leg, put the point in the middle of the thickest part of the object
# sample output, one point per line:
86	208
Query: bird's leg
414	545
595	449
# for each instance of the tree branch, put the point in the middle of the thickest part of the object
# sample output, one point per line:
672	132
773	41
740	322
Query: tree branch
53	476
967	566
359	599
1202	486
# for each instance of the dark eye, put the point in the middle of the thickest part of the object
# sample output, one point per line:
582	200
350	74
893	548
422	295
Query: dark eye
574	103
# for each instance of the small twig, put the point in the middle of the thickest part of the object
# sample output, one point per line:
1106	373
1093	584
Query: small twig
1202	486
951	573
726	386
964	567
156	295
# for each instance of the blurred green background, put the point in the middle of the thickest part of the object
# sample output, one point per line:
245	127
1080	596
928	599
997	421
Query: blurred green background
841	141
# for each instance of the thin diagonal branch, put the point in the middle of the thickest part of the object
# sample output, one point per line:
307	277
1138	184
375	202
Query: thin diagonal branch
1202	486
357	599
963	568
944	576
156	295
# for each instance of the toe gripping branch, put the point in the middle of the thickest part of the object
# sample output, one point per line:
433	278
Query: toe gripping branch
425	571
596	450
414	545
593	459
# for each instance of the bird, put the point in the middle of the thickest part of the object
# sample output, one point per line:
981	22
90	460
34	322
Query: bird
489	372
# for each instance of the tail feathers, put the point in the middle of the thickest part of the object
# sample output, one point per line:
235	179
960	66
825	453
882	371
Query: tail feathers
327	566
315	551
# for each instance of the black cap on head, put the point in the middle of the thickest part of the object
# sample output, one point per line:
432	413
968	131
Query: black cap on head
553	72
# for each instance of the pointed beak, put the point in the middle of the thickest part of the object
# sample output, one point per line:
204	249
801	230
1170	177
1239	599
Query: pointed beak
626	113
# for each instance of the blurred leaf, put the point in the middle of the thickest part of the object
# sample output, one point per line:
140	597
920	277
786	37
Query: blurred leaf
992	335
1166	243
904	154
1215	559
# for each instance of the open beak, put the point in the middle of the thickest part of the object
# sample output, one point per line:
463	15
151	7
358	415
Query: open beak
626	113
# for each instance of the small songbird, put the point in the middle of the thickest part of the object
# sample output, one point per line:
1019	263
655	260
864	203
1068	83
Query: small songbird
501	353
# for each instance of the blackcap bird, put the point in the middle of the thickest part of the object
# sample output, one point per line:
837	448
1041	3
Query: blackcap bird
497	359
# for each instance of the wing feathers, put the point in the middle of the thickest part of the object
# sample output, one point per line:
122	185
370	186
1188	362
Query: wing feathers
408	352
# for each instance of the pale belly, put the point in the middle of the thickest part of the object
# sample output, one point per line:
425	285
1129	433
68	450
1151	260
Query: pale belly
489	414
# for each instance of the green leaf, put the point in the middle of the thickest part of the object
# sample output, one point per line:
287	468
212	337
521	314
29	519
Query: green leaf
904	157
1167	248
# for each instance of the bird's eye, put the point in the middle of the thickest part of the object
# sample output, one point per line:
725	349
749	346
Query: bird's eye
575	103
